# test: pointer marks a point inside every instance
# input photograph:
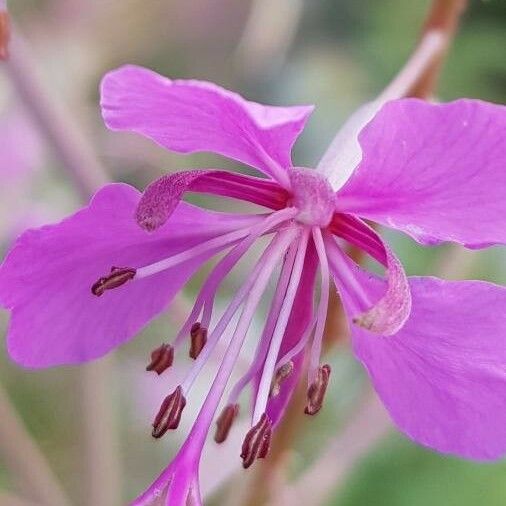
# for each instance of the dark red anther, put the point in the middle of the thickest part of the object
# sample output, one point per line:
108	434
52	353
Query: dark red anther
117	277
5	32
317	389
282	373
257	441
198	336
161	359
169	415
225	421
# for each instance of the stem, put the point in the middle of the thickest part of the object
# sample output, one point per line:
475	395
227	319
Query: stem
55	123
417	79
444	16
267	37
365	428
7	499
102	480
25	460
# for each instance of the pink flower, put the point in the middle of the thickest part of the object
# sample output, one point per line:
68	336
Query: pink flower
435	350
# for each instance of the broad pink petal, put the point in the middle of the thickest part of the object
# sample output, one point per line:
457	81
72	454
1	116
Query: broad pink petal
45	280
443	375
163	195
435	172
189	116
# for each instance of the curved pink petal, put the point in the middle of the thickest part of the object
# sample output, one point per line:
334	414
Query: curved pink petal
163	195
189	116
381	312
443	375
45	280
436	172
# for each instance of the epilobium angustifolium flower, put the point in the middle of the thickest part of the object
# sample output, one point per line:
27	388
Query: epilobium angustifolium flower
435	350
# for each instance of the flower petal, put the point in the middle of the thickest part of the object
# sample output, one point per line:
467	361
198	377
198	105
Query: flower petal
163	195
382	313
443	375
435	172
189	116
45	280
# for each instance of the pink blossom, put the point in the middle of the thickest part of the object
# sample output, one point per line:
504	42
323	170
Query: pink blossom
435	350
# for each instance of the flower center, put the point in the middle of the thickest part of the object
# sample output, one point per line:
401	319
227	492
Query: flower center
313	196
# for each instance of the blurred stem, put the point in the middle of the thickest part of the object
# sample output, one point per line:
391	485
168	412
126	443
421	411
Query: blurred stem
56	125
102	478
24	459
267	36
444	17
12	500
416	79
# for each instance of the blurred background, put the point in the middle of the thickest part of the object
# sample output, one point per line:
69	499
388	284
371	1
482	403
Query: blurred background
333	53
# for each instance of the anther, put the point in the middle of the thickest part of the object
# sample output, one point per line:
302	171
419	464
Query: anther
316	391
117	277
281	375
161	359
198	336
225	421
169	415
257	441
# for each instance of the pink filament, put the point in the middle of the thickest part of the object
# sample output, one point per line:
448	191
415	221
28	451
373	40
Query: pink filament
323	305
344	275
208	291
265	340
216	243
293	352
279	330
273	250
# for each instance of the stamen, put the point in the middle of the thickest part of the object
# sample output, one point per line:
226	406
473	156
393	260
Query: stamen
292	352
323	304
257	441
117	277
161	359
198	339
317	389
216	243
270	324
264	267
274	253
207	293
342	268
279	331
282	373
170	412
225	421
